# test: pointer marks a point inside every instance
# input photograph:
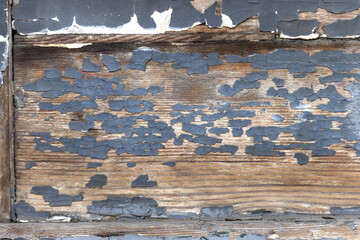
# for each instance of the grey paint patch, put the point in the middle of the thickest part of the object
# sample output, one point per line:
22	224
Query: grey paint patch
202	150
144	143
294	29
72	73
226	212
29	165
94	165
194	129
251	237
301	158
345	211
251	104
88	66
124	207
170	164
143	181
194	63
24	211
70	106
218	131
97	181
247	82
131	164
271	92
92	88
343	28
337	77
52	196
277	118
111	63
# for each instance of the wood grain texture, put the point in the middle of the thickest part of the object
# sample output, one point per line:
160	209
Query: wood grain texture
301	228
5	146
248	30
6	132
243	181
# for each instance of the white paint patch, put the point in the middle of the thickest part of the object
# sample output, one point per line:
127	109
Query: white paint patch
55	19
226	21
145	49
305	37
161	19
5	53
3	39
64	45
59	219
185	28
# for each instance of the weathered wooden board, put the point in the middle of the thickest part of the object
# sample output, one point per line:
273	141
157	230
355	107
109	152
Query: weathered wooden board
296	19
5	149
290	148
304	228
6	115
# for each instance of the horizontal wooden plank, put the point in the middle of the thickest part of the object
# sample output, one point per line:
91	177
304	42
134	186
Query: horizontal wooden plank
301	172
246	31
301	228
5	147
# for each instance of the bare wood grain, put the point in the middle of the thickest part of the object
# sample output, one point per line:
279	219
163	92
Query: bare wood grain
310	227
246	182
5	156
6	133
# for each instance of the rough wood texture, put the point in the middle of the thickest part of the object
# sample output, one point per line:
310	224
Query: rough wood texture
248	30
251	19
246	182
5	147
305	228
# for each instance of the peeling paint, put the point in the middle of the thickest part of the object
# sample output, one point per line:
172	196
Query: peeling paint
137	17
52	196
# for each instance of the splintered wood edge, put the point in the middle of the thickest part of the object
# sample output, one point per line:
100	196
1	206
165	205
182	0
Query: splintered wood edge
299	227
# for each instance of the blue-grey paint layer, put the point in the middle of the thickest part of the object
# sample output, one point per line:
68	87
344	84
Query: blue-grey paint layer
4	39
52	196
315	132
124	207
274	15
97	181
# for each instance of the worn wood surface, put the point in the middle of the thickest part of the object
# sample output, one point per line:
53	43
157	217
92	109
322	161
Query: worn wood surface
248	30
6	133
246	182
5	146
306	228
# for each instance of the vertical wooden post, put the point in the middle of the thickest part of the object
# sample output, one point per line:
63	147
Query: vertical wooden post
6	134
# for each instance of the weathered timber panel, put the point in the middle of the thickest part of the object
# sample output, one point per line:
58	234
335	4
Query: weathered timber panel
184	127
287	19
5	149
303	228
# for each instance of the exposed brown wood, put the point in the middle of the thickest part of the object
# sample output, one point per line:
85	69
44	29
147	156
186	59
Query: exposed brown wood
11	105
247	182
6	137
300	228
248	30
5	145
